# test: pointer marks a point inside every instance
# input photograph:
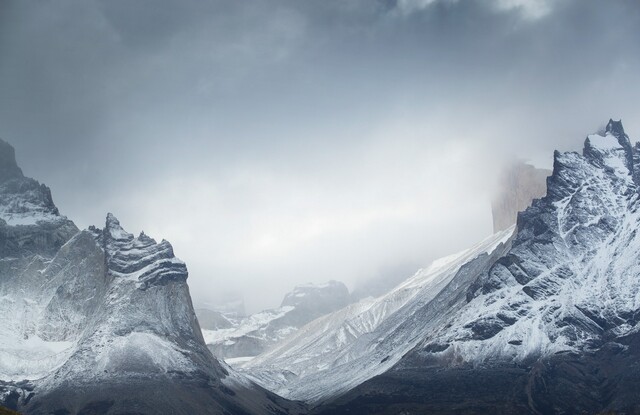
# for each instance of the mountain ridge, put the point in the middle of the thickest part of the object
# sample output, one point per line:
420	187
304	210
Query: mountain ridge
101	321
551	325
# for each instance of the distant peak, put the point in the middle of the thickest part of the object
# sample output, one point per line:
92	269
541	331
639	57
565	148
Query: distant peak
8	167
615	128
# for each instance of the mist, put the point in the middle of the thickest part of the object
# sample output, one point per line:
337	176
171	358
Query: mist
282	142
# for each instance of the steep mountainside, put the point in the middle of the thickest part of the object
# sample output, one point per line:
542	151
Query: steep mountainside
552	325
251	336
343	349
100	321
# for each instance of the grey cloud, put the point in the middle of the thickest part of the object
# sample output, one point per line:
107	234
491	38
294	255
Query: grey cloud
276	142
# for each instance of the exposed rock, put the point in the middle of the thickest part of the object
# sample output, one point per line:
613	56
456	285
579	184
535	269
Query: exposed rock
100	321
8	167
519	184
552	325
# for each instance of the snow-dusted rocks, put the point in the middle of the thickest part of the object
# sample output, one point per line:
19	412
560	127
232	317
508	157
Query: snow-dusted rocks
572	275
29	221
343	349
253	335
100	321
551	326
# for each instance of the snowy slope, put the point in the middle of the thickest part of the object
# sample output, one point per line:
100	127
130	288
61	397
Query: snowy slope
251	336
344	348
551	324
567	284
571	277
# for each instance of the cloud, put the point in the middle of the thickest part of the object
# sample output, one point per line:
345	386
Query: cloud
528	9
284	141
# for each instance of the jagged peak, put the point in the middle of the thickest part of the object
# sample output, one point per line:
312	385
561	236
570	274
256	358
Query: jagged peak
114	229
8	167
612	139
615	128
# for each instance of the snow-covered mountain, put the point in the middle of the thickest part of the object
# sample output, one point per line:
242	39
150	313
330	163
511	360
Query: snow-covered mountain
544	321
551	325
253	335
100	321
343	349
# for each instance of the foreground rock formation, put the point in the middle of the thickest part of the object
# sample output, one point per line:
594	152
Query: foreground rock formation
100	321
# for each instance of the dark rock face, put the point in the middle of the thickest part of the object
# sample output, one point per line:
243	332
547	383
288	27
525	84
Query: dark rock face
29	220
8	167
604	381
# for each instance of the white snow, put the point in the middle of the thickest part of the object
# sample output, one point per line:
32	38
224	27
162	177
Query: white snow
235	361
344	348
30	357
27	219
247	325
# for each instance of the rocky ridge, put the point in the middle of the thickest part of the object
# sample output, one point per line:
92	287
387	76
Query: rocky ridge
100	321
551	326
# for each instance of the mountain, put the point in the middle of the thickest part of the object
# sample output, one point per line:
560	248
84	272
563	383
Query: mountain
519	184
214	320
251	336
551	326
101	321
337	352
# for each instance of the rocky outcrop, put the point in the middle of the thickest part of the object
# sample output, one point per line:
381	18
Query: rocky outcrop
8	167
519	184
101	321
551	326
30	223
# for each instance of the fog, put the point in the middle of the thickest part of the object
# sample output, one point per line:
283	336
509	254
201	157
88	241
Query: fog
285	141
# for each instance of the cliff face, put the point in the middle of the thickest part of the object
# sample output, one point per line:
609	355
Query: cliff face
100	321
518	185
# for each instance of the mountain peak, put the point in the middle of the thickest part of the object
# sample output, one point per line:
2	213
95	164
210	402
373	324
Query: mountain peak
609	146
114	229
8	167
614	127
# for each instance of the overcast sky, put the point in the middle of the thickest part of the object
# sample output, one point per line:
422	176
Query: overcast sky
288	141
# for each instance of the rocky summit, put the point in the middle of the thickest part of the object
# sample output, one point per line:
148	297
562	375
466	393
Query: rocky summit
101	321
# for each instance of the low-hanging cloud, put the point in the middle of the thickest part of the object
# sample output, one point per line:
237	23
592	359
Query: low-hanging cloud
280	142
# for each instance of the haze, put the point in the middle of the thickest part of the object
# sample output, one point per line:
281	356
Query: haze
285	141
